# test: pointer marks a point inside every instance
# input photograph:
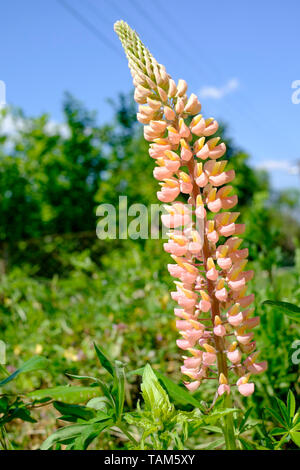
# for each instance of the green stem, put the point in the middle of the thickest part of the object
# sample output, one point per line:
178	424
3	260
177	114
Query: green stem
127	434
228	426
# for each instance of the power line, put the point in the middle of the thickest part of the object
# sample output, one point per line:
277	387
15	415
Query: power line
85	22
185	52
247	113
214	69
146	15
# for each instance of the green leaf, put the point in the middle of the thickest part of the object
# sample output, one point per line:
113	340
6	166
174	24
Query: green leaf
244	420
4	404
291	404
212	445
246	444
35	363
104	361
213	417
295	437
277	432
21	413
155	398
290	310
276	416
70	433
118	390
212	429
89	434
283	410
81	377
105	389
66	394
99	403
296	424
178	394
75	411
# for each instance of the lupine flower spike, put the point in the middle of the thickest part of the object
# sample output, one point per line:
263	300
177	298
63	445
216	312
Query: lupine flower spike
214	315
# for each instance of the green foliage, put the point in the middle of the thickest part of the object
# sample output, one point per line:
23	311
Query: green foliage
164	426
290	310
159	423
13	406
288	420
95	416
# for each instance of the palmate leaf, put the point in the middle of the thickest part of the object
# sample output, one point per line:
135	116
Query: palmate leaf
290	310
35	363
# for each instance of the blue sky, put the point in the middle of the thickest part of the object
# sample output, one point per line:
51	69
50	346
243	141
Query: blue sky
241	57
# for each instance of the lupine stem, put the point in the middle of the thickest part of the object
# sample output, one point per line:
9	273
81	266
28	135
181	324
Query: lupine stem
215	310
228	427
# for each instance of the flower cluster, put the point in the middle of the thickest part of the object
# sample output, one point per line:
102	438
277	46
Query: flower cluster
214	317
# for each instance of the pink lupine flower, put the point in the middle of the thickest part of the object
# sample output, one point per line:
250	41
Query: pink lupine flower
211	280
244	387
223	387
253	366
192	386
234	353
